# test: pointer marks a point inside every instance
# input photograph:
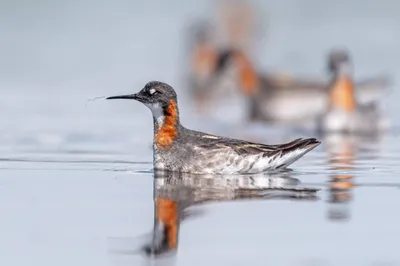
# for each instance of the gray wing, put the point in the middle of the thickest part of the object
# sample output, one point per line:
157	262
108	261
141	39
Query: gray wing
242	147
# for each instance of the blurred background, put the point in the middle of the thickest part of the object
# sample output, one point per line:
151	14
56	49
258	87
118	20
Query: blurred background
266	71
56	57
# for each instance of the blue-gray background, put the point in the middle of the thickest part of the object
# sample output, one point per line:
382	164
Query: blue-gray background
56	57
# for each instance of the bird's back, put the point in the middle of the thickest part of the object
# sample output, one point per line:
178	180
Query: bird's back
199	152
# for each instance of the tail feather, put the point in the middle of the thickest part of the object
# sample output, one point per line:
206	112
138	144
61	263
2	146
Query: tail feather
306	144
297	149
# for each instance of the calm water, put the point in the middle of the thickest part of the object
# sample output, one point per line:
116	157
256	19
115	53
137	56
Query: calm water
76	176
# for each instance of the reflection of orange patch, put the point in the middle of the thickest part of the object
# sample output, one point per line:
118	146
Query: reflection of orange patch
342	184
248	75
342	94
168	131
343	177
204	60
343	160
167	213
341	196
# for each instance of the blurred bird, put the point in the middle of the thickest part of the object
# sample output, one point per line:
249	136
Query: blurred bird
279	98
345	113
235	25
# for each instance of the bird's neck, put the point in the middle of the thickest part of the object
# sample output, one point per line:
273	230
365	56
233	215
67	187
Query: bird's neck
248	77
342	91
166	126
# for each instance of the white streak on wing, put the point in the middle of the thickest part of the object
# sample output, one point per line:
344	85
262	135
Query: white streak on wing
209	137
234	167
260	165
157	112
288	158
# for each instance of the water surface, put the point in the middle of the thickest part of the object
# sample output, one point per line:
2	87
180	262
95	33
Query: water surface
76	175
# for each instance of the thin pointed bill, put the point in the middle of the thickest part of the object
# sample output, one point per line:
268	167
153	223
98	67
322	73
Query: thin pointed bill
129	96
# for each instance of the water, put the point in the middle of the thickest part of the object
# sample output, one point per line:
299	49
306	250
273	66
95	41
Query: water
76	172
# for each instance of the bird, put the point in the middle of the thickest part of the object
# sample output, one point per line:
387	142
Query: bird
344	112
266	94
179	149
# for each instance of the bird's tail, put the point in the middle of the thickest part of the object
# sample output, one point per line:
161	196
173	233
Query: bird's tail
294	150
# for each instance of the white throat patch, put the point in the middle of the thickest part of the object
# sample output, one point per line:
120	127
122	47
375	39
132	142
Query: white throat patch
157	112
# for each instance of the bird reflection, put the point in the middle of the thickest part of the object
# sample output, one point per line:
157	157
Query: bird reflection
174	193
340	187
342	150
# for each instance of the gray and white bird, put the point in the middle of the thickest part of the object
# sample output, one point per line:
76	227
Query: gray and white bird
179	149
344	112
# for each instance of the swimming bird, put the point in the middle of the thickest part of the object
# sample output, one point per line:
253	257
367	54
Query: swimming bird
268	94
344	112
178	149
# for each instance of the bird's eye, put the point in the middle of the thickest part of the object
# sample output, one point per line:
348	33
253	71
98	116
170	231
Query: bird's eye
152	91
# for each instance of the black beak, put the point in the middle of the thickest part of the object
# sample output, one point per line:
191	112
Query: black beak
129	96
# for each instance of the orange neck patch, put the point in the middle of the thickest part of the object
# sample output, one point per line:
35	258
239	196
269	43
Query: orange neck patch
167	213
248	76
342	95
167	133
